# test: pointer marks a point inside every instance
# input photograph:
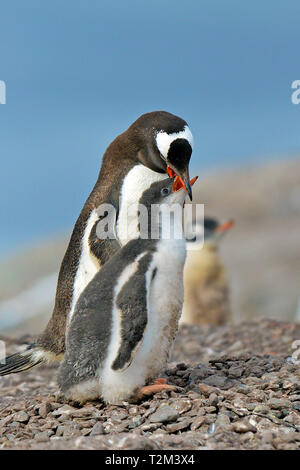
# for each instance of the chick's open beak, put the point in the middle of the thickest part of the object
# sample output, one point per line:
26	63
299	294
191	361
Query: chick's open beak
182	181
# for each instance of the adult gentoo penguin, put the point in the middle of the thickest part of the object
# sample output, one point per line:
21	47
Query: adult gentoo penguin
126	319
206	290
155	144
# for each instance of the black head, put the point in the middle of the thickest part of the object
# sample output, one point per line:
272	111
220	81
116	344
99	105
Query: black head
210	227
164	144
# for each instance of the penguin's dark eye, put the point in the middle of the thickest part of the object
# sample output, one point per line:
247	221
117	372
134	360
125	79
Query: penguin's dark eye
165	191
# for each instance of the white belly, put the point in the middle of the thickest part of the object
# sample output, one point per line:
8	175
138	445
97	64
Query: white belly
164	309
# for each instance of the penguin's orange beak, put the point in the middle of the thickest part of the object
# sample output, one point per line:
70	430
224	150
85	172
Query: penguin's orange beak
179	183
182	181
226	226
170	172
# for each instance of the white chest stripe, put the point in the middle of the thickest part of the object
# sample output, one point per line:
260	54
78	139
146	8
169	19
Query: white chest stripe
88	265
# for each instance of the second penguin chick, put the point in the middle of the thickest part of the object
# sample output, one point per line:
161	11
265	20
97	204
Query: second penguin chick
126	319
206	291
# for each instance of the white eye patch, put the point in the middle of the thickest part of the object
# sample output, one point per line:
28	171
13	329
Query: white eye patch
164	140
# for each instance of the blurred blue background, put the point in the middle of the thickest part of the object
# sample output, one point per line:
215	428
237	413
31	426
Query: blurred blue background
78	73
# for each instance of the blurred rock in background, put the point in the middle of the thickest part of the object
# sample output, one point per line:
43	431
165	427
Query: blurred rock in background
27	286
261	255
206	289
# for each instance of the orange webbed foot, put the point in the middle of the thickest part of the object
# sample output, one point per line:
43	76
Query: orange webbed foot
159	385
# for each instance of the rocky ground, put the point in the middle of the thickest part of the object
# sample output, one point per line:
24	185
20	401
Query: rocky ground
238	388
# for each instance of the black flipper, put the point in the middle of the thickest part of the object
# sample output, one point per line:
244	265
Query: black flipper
132	301
21	361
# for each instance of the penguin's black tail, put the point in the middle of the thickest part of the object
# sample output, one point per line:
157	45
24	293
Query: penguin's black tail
23	360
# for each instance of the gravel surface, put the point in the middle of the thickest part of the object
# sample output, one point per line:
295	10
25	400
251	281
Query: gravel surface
237	389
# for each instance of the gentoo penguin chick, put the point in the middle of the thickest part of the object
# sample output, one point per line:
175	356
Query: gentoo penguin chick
126	319
206	291
155	144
